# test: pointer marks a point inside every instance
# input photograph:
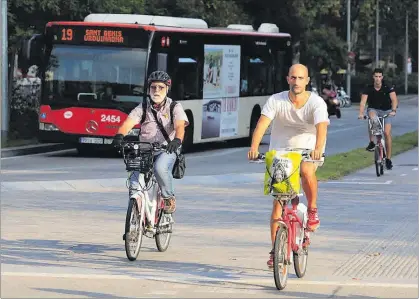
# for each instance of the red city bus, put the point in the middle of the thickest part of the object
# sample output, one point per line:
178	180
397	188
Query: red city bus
94	73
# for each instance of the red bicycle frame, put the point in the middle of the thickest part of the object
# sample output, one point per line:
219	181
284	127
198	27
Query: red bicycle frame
290	219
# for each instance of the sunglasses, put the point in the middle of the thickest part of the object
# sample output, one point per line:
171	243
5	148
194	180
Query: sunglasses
157	87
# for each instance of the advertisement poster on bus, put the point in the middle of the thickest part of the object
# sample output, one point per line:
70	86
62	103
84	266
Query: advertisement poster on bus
211	118
229	117
221	91
221	71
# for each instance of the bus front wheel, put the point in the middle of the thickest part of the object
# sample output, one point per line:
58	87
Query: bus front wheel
253	122
188	139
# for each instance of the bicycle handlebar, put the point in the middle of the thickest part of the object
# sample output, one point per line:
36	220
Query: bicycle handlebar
384	116
305	153
137	145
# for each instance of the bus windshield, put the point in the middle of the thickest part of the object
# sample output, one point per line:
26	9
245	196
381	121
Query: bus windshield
96	75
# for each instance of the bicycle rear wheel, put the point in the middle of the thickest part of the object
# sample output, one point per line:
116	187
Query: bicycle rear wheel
133	230
280	257
377	161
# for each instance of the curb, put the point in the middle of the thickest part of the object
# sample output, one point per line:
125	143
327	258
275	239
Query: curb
33	149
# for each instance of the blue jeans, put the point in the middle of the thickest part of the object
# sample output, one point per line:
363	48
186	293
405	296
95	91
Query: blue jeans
163	167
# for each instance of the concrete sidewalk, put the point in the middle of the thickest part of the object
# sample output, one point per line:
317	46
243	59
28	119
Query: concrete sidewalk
68	242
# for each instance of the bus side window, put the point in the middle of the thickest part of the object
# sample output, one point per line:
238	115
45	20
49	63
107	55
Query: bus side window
187	78
244	76
162	62
279	73
260	76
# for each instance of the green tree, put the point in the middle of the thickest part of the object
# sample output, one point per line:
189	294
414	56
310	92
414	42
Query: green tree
312	24
26	17
393	25
214	12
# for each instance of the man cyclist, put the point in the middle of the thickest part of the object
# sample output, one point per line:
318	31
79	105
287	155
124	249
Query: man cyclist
300	121
159	83
382	100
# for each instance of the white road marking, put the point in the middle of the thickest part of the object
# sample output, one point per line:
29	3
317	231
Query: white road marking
64	169
415	169
32	171
200	278
358	182
403	174
359	178
217	153
342	130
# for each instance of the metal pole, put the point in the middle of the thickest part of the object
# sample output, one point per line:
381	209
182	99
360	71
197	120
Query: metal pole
406	54
377	21
4	74
348	40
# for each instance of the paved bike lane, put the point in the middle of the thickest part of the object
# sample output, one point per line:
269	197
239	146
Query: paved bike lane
66	240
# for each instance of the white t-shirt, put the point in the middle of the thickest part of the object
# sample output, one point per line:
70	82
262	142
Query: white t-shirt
293	127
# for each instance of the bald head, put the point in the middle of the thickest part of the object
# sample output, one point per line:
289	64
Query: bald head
299	69
298	78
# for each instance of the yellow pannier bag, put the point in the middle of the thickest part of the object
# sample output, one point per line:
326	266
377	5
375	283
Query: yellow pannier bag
282	175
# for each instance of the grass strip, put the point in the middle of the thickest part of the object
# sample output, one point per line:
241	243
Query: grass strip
339	165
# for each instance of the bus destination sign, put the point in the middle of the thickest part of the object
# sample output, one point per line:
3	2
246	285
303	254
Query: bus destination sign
91	35
98	35
104	36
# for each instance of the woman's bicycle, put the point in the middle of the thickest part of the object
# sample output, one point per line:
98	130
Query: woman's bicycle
380	154
292	236
145	214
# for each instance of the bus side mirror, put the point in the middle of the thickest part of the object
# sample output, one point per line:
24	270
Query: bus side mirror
33	50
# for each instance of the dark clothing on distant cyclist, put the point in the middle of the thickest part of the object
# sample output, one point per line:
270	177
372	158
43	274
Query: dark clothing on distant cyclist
378	99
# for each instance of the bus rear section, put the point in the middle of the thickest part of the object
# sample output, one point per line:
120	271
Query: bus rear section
93	77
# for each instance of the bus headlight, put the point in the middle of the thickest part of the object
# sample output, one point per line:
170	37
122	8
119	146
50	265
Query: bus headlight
47	127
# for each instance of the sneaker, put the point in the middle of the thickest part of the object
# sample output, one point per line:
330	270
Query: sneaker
270	262
313	220
169	205
389	164
370	146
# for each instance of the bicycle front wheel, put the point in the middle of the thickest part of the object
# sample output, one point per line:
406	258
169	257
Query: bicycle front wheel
280	257
133	230
164	231
300	261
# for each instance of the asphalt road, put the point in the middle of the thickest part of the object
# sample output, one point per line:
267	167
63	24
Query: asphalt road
207	159
62	219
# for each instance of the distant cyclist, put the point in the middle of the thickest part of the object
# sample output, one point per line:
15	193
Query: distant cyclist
381	100
159	83
300	120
